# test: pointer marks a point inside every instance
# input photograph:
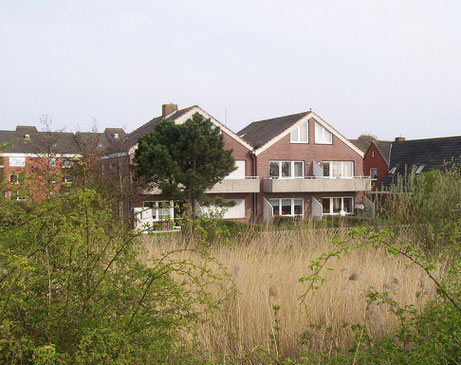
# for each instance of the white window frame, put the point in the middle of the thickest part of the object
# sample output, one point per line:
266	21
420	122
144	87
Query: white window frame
371	174
156	211
17	161
342	169
298	133
342	204
321	139
292	207
292	170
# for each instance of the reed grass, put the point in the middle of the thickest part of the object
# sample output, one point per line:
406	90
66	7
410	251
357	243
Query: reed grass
265	269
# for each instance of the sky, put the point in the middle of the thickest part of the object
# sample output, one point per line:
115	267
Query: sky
387	68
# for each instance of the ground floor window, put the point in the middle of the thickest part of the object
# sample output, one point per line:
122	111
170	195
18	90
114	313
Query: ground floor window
338	205
287	207
161	210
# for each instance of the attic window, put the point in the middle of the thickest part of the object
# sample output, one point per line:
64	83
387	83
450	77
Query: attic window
372	154
27	137
299	134
322	135
420	168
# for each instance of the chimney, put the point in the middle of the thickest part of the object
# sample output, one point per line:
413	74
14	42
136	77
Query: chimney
167	109
399	139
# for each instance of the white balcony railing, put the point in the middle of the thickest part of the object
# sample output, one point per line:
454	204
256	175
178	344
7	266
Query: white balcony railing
317	184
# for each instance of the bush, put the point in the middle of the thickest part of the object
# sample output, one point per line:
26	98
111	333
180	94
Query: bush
74	288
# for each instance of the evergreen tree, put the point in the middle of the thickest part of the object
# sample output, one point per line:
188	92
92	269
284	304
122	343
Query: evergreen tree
183	160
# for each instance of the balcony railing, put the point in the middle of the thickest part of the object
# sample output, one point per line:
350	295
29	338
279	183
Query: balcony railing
313	184
246	184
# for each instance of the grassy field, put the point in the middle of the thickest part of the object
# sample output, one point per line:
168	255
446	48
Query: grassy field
265	270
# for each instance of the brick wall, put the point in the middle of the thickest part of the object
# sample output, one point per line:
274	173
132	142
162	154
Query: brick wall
374	162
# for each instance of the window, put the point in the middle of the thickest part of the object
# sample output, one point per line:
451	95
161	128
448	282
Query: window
338	169
116	136
16	179
286	169
374	173
289	207
161	210
17	195
372	154
17	161
300	134
322	135
67	164
27	137
52	161
420	169
338	205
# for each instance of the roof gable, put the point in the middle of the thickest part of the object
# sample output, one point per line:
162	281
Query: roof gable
265	133
180	117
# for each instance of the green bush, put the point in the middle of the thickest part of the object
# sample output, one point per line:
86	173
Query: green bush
74	288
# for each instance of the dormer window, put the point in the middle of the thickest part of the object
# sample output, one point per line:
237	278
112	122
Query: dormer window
27	137
420	169
99	144
55	144
322	135
300	134
116	136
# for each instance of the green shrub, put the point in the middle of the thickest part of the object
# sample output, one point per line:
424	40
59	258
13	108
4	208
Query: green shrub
75	289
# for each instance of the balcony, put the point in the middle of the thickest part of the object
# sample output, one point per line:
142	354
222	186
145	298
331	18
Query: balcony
313	184
247	184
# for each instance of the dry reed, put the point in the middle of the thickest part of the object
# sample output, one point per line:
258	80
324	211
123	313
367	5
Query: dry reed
265	271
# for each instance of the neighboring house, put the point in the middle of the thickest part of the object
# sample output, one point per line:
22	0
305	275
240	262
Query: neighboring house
307	168
376	161
30	160
420	155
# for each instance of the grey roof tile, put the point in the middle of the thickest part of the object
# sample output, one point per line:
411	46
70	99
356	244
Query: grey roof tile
260	132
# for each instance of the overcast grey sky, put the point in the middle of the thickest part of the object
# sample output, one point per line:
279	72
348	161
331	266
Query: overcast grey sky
384	67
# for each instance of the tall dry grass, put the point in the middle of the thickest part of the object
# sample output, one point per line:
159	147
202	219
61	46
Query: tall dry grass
265	270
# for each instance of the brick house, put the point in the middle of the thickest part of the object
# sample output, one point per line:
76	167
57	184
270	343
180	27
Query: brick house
240	186
34	164
306	167
297	165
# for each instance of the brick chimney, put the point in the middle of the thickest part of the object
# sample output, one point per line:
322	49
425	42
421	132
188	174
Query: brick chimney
399	139
167	109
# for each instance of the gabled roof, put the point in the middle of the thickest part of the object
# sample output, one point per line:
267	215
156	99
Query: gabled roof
262	131
179	117
148	127
29	140
384	148
424	154
363	142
